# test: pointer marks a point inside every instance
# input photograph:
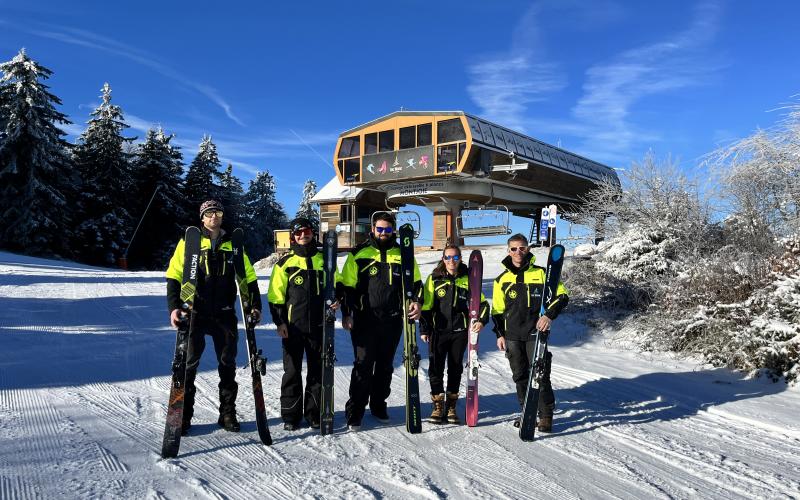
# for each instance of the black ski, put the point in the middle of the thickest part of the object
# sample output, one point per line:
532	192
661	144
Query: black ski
258	364
410	350
531	406
174	426
328	351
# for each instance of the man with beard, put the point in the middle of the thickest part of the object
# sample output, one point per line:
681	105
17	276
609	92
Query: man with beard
374	315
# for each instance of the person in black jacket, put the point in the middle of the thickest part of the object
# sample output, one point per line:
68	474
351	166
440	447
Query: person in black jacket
516	304
214	311
295	296
445	320
373	312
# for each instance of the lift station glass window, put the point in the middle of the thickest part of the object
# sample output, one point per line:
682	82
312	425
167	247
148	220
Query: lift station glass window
424	134
450	131
386	141
371	143
408	137
351	146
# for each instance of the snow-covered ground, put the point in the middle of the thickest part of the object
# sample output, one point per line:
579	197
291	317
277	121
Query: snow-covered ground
84	372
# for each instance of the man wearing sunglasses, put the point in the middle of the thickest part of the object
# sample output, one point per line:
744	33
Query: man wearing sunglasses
296	300
516	303
373	313
214	311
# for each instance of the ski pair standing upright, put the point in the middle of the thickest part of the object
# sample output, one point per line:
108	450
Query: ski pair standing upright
257	362
538	371
174	426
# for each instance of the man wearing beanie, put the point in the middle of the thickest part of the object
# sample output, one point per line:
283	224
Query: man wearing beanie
296	290
214	311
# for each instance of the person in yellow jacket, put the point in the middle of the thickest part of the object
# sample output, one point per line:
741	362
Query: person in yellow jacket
516	303
445	320
373	312
214	311
296	299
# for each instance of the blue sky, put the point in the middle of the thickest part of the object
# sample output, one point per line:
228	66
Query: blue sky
274	83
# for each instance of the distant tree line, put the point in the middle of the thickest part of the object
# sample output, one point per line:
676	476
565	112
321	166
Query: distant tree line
83	201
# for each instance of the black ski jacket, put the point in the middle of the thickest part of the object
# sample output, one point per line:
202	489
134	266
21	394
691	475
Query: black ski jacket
446	308
372	281
216	279
297	289
517	298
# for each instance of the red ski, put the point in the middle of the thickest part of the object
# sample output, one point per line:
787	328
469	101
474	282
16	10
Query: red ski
475	284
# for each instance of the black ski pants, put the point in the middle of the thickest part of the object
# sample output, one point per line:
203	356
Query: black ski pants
375	342
224	332
519	354
294	402
446	349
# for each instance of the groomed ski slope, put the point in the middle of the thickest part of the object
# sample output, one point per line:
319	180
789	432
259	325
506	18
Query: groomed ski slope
84	372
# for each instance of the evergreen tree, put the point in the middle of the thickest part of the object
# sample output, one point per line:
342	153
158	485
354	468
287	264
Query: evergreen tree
307	208
36	177
107	185
202	172
157	166
263	215
232	197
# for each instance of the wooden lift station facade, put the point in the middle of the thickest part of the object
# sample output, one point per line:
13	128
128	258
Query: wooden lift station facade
450	161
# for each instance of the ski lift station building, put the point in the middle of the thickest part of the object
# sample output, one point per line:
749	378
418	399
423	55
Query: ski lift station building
454	164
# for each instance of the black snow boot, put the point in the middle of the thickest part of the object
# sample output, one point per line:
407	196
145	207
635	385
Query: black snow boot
229	422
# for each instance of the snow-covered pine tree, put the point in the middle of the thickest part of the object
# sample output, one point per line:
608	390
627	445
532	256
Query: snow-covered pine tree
157	165
232	196
105	225
202	172
263	215
37	181
307	208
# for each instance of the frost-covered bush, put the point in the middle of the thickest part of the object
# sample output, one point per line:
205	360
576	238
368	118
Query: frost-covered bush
655	221
728	289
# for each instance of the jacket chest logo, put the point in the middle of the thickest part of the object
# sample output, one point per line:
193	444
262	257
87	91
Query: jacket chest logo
512	294
441	292
298	280
373	271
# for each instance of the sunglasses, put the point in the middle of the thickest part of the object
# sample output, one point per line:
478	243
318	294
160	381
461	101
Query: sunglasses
212	213
306	231
517	249
455	258
387	230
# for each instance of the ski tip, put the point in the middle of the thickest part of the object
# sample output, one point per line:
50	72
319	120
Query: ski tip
557	252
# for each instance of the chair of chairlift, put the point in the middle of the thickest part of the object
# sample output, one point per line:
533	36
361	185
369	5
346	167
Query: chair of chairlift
497	213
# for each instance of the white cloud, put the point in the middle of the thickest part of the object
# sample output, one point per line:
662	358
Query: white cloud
612	88
503	85
601	119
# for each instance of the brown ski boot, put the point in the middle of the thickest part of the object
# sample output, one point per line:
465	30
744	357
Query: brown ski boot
545	423
437	415
452	416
